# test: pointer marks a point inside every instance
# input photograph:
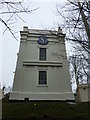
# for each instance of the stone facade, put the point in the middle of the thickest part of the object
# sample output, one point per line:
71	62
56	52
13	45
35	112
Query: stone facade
83	93
42	71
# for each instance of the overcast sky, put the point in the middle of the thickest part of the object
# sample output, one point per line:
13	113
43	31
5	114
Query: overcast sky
45	18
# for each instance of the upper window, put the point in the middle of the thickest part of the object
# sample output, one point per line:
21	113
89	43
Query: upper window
42	54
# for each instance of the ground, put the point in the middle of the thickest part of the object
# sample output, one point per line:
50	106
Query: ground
48	110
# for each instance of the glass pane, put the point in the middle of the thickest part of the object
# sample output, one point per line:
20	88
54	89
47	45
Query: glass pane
42	77
42	53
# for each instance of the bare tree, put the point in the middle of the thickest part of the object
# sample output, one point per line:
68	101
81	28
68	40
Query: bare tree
76	17
13	9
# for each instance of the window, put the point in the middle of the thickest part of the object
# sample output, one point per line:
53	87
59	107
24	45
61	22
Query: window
42	77
42	54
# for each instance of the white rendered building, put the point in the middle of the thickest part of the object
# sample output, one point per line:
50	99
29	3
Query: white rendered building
0	94
42	71
0	103
83	93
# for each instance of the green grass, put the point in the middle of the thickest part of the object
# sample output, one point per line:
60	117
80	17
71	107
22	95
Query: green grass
45	110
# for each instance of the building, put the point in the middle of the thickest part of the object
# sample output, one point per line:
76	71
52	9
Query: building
83	93
42	70
0	103
1	94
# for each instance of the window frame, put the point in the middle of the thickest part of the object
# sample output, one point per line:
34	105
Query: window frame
42	80
41	56
42	69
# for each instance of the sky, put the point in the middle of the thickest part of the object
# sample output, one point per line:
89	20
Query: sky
43	18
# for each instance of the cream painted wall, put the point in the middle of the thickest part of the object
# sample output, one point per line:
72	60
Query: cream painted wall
28	65
83	93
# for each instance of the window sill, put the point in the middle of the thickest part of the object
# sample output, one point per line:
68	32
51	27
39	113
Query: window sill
42	85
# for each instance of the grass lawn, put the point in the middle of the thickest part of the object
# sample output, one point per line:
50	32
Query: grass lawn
44	110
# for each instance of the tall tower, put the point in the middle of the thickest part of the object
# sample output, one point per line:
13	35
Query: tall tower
42	71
